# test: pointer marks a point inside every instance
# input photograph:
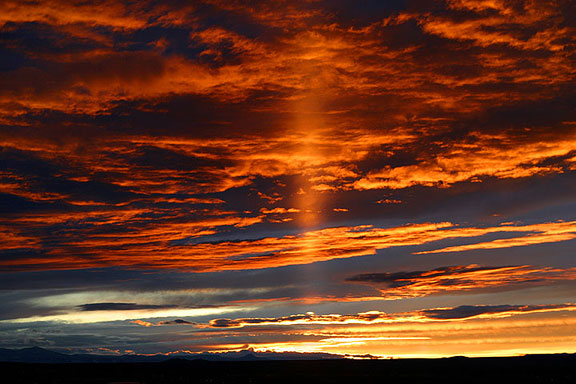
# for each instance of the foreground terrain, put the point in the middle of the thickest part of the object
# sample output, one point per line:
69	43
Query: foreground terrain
527	369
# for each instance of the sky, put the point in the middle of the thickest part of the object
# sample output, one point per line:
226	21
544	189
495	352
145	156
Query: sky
393	178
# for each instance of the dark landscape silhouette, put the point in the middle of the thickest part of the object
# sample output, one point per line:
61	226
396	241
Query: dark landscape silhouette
248	367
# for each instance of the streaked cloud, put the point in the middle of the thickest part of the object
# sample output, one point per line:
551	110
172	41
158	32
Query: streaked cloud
119	307
459	279
439	314
141	246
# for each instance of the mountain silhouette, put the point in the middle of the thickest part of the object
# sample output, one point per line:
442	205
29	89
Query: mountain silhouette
33	355
41	355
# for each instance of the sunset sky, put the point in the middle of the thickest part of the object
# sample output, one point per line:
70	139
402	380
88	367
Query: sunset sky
384	177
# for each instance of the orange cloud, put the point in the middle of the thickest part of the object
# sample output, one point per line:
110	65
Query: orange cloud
148	246
481	330
143	323
447	280
98	13
377	317
482	30
471	162
555	232
326	73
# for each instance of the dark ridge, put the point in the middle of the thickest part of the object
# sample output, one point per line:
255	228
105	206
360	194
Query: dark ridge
525	369
41	355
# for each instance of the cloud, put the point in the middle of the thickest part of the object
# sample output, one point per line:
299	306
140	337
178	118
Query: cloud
490	311
142	243
442	330
505	243
376	317
473	162
301	319
120	307
163	322
457	279
129	107
99	13
176	322
142	323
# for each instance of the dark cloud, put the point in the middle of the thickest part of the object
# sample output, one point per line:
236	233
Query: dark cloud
120	307
467	311
400	279
10	204
300	319
12	59
43	41
154	157
50	80
176	322
227	323
351	13
195	116
460	279
451	314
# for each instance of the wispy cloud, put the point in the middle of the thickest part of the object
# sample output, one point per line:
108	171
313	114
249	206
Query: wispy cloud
142	245
458	279
376	317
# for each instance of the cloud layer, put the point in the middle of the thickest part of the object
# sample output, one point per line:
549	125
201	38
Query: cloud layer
172	160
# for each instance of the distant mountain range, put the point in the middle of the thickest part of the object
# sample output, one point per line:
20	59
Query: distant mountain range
41	355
